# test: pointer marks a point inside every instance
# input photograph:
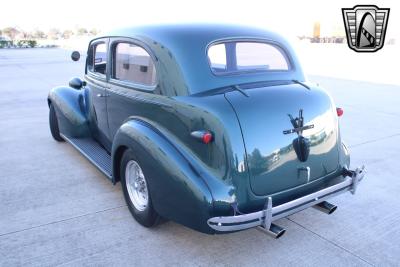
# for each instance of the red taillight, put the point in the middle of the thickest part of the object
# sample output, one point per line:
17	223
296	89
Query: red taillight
206	138
339	112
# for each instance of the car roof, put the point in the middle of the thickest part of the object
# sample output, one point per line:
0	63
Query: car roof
187	44
205	32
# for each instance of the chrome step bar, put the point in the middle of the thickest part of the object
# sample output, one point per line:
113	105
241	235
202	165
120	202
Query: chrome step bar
93	151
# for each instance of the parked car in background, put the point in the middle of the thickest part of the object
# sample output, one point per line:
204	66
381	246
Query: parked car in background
211	126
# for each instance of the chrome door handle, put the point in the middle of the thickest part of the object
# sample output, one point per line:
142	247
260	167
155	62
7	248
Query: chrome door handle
102	95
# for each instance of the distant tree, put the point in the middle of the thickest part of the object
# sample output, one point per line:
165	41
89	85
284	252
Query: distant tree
93	31
257	162
82	31
38	34
54	33
67	34
11	32
1	32
32	43
24	35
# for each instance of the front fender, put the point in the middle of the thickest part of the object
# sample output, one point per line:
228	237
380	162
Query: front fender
177	190
70	108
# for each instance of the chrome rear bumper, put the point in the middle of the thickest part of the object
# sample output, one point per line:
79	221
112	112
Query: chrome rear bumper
265	217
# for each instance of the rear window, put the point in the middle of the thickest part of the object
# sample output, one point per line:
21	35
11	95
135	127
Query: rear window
244	56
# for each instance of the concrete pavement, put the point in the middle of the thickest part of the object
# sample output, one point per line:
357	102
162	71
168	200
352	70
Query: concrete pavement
58	209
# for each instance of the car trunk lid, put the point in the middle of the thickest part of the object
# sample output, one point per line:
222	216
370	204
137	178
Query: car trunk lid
280	154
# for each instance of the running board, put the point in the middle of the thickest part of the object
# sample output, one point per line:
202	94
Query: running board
94	152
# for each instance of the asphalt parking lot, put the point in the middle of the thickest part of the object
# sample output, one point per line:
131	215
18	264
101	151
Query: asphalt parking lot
58	209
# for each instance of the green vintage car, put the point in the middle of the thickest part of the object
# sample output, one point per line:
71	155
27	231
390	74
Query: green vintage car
211	126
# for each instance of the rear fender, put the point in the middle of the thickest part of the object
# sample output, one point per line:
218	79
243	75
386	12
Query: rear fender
70	106
177	190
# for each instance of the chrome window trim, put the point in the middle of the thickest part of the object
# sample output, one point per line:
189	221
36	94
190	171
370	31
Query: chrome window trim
131	85
114	41
97	75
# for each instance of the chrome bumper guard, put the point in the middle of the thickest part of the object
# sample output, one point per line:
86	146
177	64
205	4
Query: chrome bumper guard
265	217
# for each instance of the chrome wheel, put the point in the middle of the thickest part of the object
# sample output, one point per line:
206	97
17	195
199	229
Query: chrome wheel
136	185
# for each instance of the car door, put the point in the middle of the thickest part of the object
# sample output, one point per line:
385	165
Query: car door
133	83
96	77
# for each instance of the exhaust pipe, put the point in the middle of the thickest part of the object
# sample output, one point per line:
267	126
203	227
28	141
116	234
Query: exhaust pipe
326	207
274	230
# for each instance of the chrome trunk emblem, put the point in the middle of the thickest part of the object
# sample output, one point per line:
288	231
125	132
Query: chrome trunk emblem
298	124
301	144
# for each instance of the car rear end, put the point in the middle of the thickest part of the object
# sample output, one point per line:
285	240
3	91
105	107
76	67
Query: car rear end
276	146
295	158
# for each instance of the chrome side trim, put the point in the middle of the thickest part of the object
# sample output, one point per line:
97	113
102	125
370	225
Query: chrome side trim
269	214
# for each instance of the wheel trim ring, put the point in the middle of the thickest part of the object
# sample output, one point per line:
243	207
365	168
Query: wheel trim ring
136	185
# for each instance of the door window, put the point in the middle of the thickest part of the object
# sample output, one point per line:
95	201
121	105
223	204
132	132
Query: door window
97	62
133	64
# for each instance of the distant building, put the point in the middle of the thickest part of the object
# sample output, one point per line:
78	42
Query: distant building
317	30
327	33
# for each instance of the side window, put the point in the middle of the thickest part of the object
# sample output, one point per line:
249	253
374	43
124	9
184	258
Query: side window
217	57
97	62
133	64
